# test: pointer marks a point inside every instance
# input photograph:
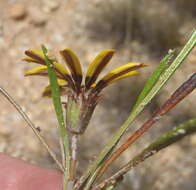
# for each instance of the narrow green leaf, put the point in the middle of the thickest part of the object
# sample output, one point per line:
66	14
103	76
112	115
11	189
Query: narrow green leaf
156	88
48	91
154	77
172	136
59	112
55	89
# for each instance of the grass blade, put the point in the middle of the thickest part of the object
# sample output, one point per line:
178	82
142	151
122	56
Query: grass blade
183	91
171	137
154	77
59	113
96	165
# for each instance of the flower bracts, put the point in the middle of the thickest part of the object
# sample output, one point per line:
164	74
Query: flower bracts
72	76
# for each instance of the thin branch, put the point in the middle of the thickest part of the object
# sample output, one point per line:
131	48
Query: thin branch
185	89
162	142
31	125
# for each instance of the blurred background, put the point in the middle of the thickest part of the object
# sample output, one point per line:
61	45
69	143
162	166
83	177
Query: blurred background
141	31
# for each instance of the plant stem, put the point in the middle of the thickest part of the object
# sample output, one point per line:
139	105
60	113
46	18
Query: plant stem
62	152
74	157
162	142
120	132
185	89
32	126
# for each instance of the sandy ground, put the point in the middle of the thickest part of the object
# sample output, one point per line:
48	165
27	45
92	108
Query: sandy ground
59	24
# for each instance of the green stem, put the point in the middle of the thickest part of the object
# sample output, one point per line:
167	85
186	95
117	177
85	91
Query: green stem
162	142
115	139
183	91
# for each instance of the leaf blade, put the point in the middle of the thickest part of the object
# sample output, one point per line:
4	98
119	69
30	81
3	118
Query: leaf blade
154	77
59	112
119	133
48	90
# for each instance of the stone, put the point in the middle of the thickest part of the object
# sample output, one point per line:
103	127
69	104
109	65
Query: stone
17	12
37	17
50	5
5	131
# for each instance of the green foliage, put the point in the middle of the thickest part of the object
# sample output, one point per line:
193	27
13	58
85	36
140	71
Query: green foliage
59	113
55	89
92	171
154	77
82	100
170	137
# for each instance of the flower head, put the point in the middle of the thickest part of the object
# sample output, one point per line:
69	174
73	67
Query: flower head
72	77
83	91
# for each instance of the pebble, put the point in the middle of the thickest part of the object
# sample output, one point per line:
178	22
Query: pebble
17	12
58	38
5	130
50	5
37	17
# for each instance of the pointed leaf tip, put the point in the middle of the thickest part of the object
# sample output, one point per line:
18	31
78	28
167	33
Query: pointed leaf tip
44	49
